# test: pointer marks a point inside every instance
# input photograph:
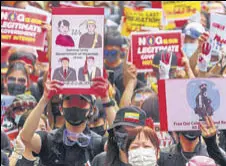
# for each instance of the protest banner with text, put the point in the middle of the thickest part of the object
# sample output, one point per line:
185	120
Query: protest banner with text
145	45
185	103
77	47
134	19
22	28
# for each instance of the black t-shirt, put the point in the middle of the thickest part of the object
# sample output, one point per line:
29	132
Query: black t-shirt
54	152
5	143
25	162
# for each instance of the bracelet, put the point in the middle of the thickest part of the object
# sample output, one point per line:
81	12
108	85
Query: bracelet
16	155
109	104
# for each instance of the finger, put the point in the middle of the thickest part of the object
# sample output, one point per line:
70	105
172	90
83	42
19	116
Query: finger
56	87
207	121
99	84
57	82
212	125
204	130
99	79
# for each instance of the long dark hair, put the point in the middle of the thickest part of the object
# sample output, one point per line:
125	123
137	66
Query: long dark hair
18	66
112	158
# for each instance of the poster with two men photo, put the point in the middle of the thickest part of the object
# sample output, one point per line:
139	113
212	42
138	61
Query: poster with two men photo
77	47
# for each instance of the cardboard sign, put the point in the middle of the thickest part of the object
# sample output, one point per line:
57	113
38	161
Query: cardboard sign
145	45
184	103
180	10
22	28
217	33
134	19
77	47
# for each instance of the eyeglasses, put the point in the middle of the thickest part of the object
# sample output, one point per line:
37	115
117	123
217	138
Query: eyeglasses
110	52
21	81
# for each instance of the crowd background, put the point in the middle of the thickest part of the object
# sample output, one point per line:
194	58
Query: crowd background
44	127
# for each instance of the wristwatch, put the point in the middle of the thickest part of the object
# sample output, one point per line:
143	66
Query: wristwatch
109	104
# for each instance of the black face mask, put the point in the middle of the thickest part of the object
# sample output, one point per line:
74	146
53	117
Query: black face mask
99	130
16	89
191	135
75	116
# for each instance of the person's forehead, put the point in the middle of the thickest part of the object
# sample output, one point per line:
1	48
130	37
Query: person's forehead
75	101
112	47
17	74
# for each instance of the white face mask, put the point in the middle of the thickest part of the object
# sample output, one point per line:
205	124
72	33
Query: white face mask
189	49
142	157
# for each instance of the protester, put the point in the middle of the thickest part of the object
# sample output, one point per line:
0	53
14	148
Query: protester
126	119
98	123
16	81
22	103
80	126
143	147
25	157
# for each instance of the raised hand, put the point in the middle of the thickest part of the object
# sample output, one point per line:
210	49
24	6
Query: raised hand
164	65
209	129
52	88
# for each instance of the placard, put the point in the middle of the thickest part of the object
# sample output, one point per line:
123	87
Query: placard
180	10
217	33
22	28
134	19
185	103
77	47
145	45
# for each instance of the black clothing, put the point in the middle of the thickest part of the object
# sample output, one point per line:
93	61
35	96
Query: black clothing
214	150
25	162
173	155
5	143
55	152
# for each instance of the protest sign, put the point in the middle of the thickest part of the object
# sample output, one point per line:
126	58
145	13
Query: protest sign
22	28
217	34
185	103
180	10
77	47
145	45
134	19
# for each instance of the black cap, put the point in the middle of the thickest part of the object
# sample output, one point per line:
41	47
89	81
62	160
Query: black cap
129	116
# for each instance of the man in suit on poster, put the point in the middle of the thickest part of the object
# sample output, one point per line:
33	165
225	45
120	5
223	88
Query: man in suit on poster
64	73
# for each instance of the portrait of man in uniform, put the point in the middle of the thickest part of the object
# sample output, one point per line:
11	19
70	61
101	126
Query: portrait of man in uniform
63	39
90	39
89	71
203	103
64	73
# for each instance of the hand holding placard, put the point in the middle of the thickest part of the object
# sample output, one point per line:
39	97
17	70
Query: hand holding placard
52	88
100	87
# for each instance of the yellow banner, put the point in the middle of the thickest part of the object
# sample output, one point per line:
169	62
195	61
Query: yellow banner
135	19
177	10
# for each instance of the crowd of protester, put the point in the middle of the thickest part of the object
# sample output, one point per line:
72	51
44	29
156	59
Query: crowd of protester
55	129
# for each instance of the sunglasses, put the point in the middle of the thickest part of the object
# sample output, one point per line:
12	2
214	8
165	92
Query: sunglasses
20	81
110	52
